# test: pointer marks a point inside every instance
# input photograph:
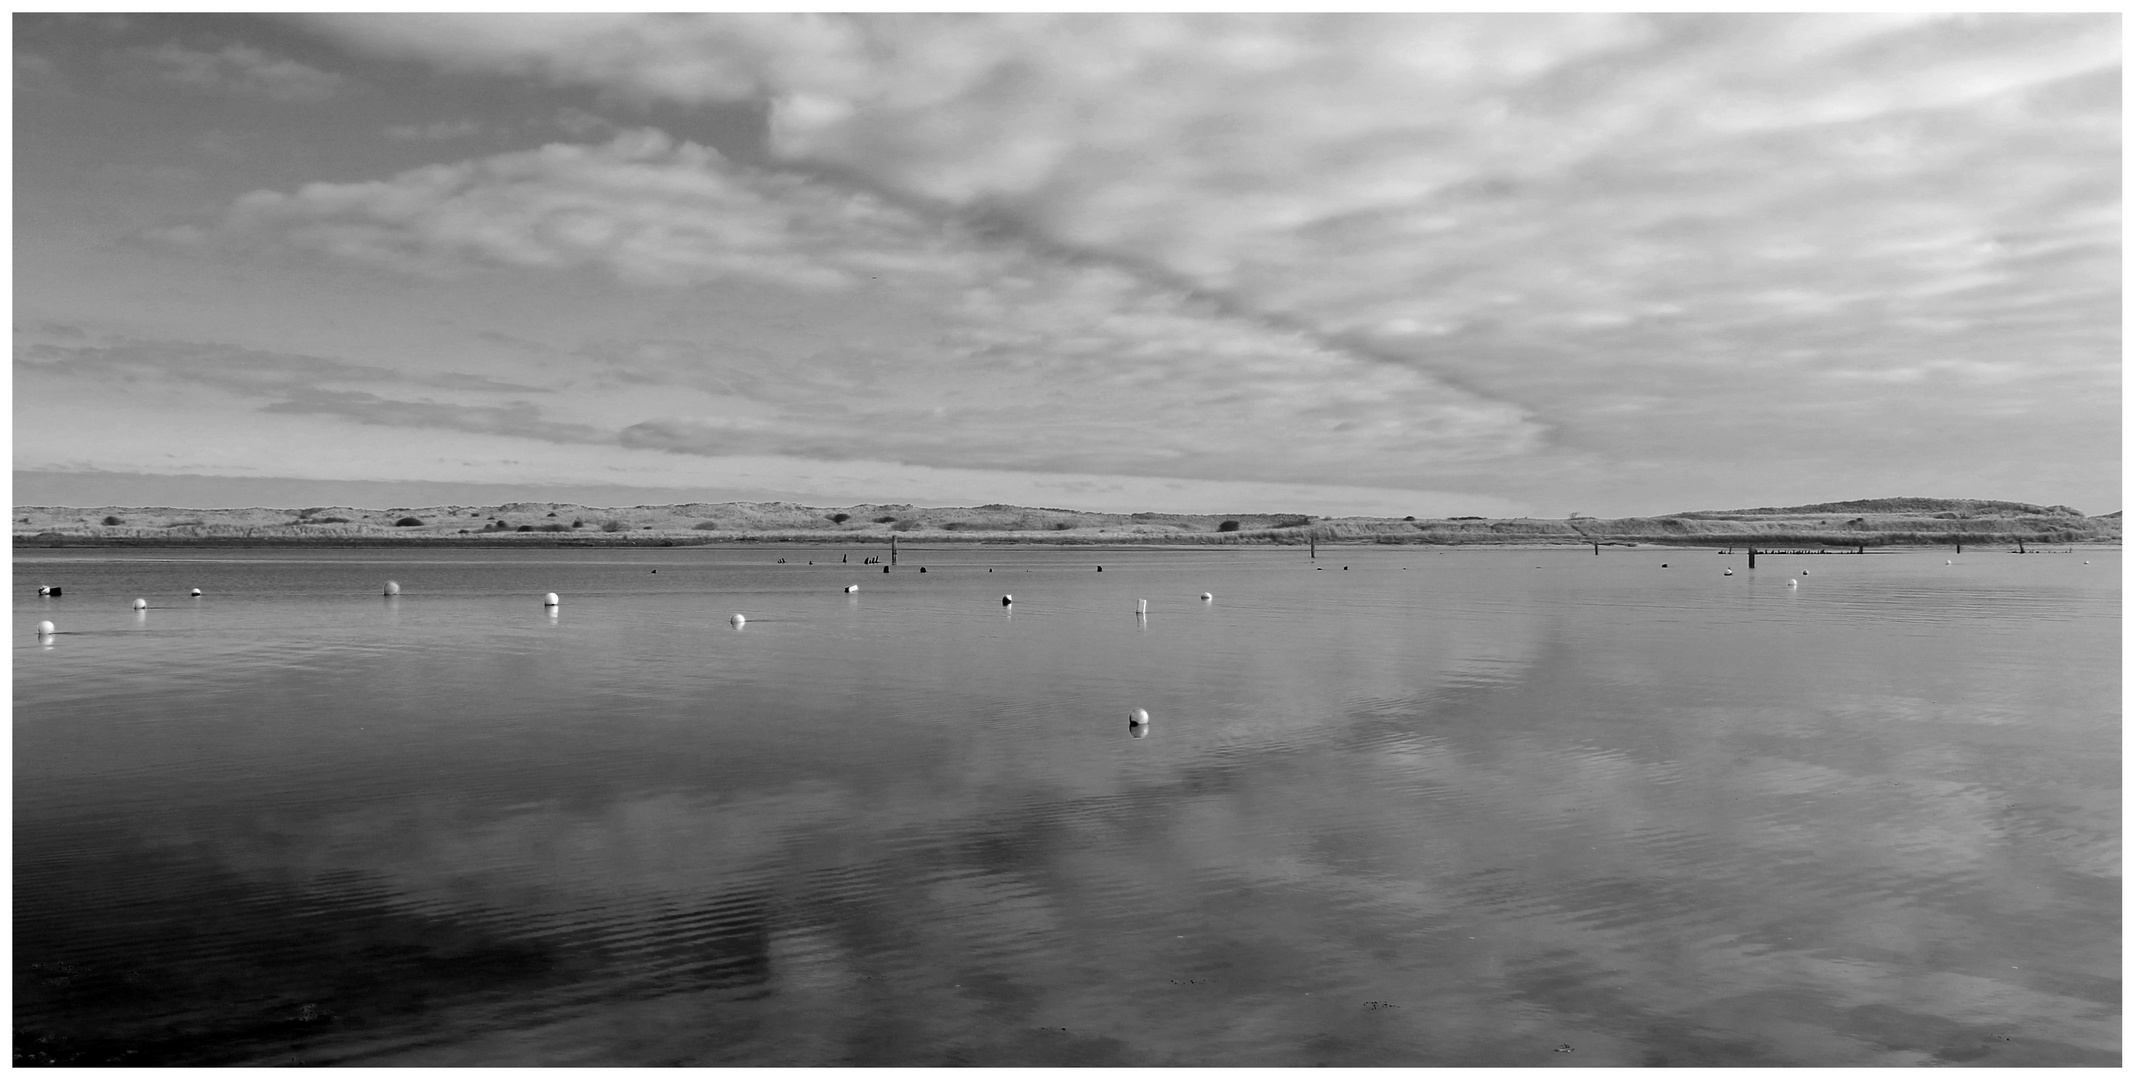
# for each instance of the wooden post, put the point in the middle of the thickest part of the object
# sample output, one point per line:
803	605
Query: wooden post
2020	546
1753	558
1314	540
893	549
1597	547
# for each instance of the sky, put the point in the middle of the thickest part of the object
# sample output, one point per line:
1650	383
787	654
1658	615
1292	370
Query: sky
1365	264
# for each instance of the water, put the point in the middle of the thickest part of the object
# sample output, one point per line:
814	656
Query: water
1437	808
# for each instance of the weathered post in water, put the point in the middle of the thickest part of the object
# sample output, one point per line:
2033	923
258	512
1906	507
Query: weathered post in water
1597	547
1753	558
2020	546
893	549
1314	540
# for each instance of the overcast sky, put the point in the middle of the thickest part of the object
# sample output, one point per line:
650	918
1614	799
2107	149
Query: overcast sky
1362	264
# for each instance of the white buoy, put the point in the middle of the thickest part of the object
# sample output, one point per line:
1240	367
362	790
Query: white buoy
392	588
46	629
196	592
737	620
852	588
140	604
1007	599
1207	596
1141	607
1793	583
44	590
1729	572
2086	562
1947	562
551	600
1137	717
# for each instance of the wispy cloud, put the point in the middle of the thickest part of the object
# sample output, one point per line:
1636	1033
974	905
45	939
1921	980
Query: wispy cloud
296	384
518	419
1041	363
439	131
238	69
1479	195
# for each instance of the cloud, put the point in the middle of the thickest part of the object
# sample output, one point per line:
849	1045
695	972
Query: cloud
294	384
643	206
239	69
1494	197
518	418
440	131
1039	363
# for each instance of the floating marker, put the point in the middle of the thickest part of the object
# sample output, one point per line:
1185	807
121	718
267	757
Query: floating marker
46	629
44	590
551	601
1007	599
1664	566
1141	607
852	588
1793	583
196	592
1137	717
737	620
1947	562
1207	596
55	590
140	604
1729	572
392	588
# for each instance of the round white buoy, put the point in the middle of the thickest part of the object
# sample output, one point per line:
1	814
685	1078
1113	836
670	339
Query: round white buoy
1141	606
551	600
737	620
44	590
1947	562
1007	599
1137	717
852	588
1729	572
2086	562
195	592
1793	583
392	588
46	629
140	604
1209	596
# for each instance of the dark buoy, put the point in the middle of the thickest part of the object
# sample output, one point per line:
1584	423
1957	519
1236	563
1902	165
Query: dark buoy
885	569
922	569
1211	596
55	590
1007	599
1100	569
1664	566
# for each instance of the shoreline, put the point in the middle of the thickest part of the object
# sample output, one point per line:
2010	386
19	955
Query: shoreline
1763	545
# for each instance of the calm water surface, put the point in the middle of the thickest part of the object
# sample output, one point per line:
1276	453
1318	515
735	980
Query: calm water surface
1436	808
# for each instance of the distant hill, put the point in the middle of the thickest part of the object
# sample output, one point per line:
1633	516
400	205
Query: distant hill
1980	507
1860	523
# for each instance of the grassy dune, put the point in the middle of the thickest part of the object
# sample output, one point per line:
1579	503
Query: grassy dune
1870	523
